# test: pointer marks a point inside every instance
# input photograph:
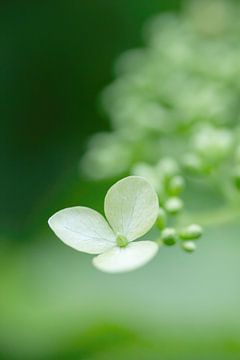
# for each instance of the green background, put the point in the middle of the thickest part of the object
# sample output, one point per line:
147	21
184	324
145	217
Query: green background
55	58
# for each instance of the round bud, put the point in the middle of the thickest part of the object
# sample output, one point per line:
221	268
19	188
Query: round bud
176	185
173	205
192	163
146	171
169	236
212	143
191	232
188	246
167	167
161	219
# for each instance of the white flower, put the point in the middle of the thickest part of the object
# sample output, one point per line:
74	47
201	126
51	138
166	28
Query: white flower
131	208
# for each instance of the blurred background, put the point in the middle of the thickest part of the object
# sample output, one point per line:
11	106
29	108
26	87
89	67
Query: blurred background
55	58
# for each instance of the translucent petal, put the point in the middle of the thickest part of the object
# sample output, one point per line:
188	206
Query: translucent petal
83	229
131	207
133	256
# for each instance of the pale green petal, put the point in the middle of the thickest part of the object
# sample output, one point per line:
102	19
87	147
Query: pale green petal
83	229
131	207
133	256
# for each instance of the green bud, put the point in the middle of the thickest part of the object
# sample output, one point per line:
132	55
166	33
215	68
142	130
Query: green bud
148	172
192	163
176	185
167	167
191	232
212	143
169	236
161	219
188	246
173	205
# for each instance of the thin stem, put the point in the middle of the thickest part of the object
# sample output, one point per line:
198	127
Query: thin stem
221	216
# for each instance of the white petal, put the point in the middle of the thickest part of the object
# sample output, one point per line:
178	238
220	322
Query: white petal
83	229
131	207
133	256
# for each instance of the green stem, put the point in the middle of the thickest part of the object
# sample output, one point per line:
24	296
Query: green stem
221	216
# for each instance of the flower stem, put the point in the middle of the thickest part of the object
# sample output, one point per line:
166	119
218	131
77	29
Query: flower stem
221	216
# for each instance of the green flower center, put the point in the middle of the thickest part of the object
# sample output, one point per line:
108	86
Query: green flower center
121	241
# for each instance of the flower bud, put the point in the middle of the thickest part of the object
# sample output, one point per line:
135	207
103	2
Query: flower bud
167	167
212	143
192	163
173	205
176	185
191	232
169	236
161	219
188	246
146	171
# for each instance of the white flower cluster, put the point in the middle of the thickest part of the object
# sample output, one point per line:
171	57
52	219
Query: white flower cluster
170	97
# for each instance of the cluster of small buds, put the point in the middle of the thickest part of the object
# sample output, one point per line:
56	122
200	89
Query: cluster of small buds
166	179
169	184
185	237
188	236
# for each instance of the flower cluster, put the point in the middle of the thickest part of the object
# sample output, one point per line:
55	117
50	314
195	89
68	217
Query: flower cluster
174	105
131	208
174	111
181	89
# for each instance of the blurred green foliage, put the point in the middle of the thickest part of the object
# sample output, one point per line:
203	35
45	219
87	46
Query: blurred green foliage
56	306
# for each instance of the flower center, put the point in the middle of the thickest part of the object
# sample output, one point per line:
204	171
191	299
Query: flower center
121	241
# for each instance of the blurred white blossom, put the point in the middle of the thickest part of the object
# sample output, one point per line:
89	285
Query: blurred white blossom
186	77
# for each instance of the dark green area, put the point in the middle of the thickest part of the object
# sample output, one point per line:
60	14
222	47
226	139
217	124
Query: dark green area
56	56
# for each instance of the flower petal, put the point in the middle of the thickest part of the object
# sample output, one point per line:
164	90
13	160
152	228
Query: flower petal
83	229
131	207
133	256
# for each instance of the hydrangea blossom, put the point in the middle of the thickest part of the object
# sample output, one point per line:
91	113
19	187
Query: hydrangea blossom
131	208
